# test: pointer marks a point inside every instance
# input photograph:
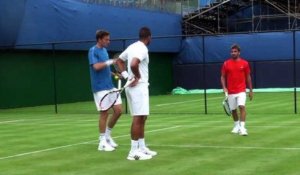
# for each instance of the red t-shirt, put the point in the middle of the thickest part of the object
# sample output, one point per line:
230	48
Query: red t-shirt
235	72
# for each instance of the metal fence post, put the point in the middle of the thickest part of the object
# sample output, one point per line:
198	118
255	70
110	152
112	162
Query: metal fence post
295	72
54	77
204	75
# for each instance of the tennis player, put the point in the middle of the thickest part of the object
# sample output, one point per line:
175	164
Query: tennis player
101	82
235	74
137	93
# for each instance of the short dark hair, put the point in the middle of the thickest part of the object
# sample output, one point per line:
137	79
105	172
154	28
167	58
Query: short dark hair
236	46
144	33
101	34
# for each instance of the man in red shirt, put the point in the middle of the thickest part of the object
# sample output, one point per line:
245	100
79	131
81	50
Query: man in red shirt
235	74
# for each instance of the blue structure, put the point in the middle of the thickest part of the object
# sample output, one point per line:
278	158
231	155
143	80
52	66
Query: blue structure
42	21
274	58
269	46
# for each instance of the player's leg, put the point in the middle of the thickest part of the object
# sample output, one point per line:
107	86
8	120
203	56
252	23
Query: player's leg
143	111
117	111
102	122
241	101
142	143
142	135
136	131
141	139
232	100
242	113
137	126
103	145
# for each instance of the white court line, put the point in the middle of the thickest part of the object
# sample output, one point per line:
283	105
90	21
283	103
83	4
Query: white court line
166	104
11	121
81	143
222	147
227	147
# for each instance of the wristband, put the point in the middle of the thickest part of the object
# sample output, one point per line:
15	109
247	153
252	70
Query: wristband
124	74
109	62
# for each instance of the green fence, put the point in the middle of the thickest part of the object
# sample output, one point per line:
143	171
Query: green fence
35	77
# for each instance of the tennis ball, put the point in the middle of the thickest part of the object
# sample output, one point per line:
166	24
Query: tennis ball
116	77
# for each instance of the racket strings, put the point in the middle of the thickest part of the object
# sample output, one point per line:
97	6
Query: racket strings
108	100
226	107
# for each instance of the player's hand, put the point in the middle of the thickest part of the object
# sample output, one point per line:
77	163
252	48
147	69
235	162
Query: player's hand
124	75
114	60
117	75
225	90
135	82
250	95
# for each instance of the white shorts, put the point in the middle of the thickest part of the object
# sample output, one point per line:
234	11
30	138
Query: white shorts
236	100
138	99
98	96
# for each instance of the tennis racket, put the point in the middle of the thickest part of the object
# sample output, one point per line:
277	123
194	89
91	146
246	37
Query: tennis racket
119	83
110	98
116	56
226	105
117	69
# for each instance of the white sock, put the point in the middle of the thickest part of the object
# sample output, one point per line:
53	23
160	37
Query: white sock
134	145
142	143
101	136
242	124
108	132
236	123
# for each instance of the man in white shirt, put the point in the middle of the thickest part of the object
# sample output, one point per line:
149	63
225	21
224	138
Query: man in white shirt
137	93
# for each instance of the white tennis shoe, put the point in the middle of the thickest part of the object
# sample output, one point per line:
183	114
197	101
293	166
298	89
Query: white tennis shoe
235	130
111	142
147	151
243	132
138	155
104	146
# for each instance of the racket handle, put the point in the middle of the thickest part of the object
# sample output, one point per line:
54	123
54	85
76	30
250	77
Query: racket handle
226	94
119	84
129	82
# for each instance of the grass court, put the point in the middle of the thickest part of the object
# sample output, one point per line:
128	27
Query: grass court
36	141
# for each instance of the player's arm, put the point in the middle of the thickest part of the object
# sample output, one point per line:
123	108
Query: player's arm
249	82
223	83
94	62
102	65
134	66
223	79
121	65
121	68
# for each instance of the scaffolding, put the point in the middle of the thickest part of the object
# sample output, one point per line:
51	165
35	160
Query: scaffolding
225	16
170	6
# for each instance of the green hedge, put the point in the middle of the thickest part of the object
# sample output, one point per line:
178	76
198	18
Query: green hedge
27	77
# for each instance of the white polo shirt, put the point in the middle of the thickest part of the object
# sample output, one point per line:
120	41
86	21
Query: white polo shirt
140	51
138	96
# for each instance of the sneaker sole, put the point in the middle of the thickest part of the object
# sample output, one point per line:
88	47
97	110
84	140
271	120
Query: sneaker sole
101	149
114	146
151	154
243	134
132	158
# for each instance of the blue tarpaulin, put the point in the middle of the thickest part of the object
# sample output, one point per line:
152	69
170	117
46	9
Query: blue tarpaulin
40	21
